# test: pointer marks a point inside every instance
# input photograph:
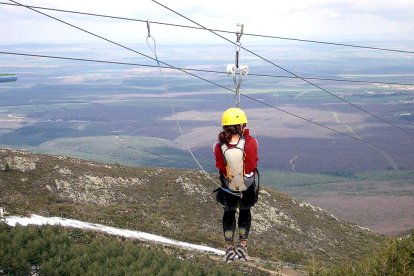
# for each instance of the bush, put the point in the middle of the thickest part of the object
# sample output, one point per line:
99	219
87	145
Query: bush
51	250
396	258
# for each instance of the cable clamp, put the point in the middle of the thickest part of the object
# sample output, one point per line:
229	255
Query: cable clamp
238	44
241	32
148	29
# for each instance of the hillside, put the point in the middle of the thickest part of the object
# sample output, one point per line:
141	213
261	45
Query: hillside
52	250
176	204
395	258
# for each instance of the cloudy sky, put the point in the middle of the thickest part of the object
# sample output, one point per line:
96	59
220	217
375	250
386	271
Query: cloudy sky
329	20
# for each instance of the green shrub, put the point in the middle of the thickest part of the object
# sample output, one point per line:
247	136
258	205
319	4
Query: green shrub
396	258
51	250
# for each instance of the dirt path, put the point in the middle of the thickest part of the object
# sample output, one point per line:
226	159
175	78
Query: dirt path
268	267
292	164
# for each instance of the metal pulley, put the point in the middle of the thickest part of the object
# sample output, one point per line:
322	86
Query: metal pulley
232	70
236	71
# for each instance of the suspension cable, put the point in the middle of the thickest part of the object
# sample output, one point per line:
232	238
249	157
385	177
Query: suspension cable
246	96
211	82
290	72
164	85
217	30
199	70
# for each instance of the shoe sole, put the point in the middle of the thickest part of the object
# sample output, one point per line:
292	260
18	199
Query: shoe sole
231	257
242	255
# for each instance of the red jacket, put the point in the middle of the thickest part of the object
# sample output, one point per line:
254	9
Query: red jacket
250	150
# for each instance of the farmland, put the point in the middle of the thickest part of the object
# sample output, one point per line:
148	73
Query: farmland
120	114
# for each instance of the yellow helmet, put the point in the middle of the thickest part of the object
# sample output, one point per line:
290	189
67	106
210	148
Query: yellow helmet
233	116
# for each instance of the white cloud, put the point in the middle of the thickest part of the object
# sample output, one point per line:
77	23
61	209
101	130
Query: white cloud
319	19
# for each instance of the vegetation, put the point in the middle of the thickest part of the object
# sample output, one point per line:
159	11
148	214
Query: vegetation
178	204
396	258
51	250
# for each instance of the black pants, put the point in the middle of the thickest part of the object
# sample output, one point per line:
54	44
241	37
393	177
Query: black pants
230	204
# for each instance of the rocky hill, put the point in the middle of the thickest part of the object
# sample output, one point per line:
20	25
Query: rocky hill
177	204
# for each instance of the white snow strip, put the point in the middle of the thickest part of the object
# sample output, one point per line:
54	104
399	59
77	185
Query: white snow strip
39	220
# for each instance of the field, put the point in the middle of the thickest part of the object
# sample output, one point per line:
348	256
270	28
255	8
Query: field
379	200
121	114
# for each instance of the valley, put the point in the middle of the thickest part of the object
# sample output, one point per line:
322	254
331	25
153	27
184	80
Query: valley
121	115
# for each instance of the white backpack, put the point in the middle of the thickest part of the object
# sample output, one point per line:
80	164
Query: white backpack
234	160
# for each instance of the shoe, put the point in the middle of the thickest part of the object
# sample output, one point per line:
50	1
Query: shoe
241	251
230	255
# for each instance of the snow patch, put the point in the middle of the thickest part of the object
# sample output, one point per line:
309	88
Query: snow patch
39	220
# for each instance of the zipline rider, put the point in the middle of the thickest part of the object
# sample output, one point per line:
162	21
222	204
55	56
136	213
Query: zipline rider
236	159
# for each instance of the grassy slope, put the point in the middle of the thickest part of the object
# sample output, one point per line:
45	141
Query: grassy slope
174	203
395	258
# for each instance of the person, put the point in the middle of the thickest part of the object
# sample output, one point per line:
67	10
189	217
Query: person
236	159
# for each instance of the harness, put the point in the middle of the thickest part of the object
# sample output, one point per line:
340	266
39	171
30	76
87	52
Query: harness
234	160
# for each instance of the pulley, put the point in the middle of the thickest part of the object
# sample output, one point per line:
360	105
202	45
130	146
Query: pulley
236	71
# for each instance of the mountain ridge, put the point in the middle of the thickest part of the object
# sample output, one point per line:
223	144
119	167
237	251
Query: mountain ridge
174	203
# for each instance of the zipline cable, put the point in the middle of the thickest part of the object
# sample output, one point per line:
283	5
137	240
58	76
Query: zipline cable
329	128
248	97
217	30
115	43
203	171
211	82
290	72
198	70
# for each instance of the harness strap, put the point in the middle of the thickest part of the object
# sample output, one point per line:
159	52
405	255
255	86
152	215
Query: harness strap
258	184
228	191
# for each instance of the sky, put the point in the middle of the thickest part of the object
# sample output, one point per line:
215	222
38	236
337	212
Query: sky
333	20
